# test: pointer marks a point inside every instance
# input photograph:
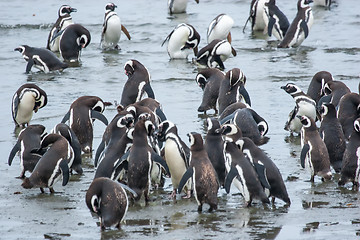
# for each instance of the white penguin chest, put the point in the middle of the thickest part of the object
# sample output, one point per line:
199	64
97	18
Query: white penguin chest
113	30
25	108
174	160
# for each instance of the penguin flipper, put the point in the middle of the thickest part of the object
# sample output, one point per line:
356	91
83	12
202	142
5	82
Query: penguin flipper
247	20
99	150
271	25
167	38
157	158
29	65
126	187
58	34
125	31
149	91
119	165
14	150
305	28
245	94
66	117
303	153
218	60
15	106
233	51
229	178
98	115
159	112
261	172
227	119
188	174
65	171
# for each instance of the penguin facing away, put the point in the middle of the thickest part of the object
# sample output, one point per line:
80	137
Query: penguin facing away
278	23
333	91
348	112
317	82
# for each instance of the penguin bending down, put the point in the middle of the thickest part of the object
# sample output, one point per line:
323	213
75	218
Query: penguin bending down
333	91
332	135
28	140
53	165
214	54
181	40
272	173
277	23
314	153
209	80
83	111
65	131
229	110
348	112
112	28
64	20
202	173
350	171
41	58
27	99
300	26
73	39
138	82
317	82
176	154
108	199
239	169
178	6
219	28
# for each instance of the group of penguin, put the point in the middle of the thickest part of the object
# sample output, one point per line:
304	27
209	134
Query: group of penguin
140	145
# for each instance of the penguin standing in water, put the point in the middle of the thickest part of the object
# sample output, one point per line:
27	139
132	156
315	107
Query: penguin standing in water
313	150
108	199
350	171
27	99
41	58
138	82
332	134
214	54
239	169
81	114
209	80
61	23
278	23
257	15
176	155
348	112
53	165
72	40
232	89
178	6
272	173
181	40
202	173
29	139
304	105
214	146
317	82
300	26
112	28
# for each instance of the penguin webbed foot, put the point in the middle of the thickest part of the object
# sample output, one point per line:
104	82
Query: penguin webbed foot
199	208
42	190
52	191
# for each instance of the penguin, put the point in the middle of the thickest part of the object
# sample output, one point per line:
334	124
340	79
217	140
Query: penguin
239	169
140	159
300	26
214	54
176	154
53	165
112	28
65	131
202	173
333	92
209	80
350	171
232	88
64	20
41	58
29	139
214	146
252	125
332	134
257	16
348	112
231	109
181	40
314	153
27	99
323	3
178	6
317	82
272	173
108	199
138	82
81	114
304	105
73	39
277	23
154	106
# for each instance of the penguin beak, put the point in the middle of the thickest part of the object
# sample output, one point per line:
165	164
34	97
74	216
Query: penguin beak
197	1
17	49
73	10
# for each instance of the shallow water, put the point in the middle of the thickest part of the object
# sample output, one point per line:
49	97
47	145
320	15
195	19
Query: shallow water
318	211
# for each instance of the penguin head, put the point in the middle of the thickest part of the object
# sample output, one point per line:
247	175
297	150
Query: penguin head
125	121
326	89
327	108
303	3
164	128
83	40
357	125
110	7
230	132
291	88
95	203
196	141
201	80
235	77
193	39
129	68
270	3
307	122
66	10
212	125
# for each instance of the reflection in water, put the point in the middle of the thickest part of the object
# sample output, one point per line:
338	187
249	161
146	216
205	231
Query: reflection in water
314	204
311	227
